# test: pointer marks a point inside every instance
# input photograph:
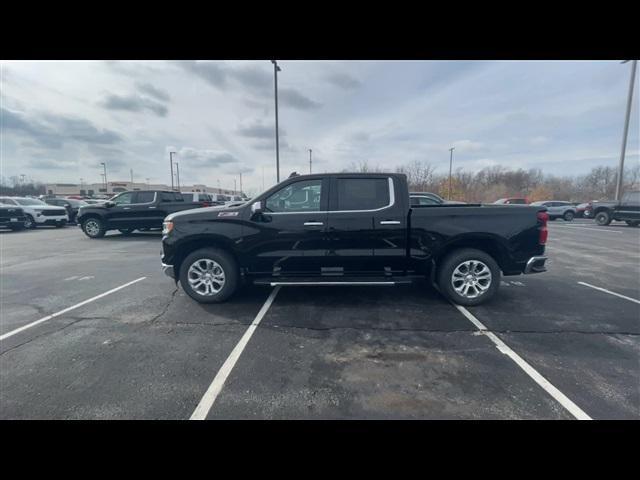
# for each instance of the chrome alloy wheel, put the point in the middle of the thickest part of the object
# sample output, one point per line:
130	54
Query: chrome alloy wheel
471	278
92	228
206	277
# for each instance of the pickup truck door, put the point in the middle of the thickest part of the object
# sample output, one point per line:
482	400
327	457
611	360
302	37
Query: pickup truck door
629	208
144	211
367	226
121	215
289	237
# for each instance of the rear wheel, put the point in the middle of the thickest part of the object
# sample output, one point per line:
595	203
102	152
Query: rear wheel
568	216
93	228
468	276
209	275
603	218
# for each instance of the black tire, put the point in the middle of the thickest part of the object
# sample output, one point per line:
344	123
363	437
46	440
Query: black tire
93	227
229	268
126	231
568	216
29	222
602	218
633	223
452	261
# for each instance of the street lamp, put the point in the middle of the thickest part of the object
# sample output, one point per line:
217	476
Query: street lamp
634	64
450	166
309	160
106	185
276	69
171	166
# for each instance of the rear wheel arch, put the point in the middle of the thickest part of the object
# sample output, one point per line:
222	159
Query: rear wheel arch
488	245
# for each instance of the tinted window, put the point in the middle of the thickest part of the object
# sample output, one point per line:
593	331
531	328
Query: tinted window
123	199
296	197
145	197
7	201
187	197
424	201
632	197
362	193
171	197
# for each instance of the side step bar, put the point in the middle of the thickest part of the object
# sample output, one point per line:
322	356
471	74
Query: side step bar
331	281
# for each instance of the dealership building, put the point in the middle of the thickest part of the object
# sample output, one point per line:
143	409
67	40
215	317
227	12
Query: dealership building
91	189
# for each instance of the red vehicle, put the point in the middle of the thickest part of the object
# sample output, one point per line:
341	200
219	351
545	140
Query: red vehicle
512	201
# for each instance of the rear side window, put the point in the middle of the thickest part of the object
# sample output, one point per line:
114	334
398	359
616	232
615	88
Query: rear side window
145	197
187	197
168	197
632	197
516	201
362	193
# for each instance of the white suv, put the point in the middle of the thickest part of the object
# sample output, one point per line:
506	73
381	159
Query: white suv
37	212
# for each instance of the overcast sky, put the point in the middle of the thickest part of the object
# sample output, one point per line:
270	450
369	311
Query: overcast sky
59	120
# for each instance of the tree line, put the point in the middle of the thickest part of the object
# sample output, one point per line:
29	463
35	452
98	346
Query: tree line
494	182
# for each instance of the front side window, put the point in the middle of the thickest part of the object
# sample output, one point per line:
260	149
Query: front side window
362	193
124	199
297	197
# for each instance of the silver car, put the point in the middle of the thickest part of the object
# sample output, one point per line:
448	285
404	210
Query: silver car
558	209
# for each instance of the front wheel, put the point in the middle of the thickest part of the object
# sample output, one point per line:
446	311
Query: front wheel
209	275
568	216
29	222
468	276
603	218
93	228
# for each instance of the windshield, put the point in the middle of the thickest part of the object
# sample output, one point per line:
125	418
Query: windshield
29	201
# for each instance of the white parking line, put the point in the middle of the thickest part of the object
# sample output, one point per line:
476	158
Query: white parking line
560	397
209	397
593	229
609	292
61	312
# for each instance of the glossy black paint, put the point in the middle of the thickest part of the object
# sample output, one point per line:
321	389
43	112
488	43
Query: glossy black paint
397	239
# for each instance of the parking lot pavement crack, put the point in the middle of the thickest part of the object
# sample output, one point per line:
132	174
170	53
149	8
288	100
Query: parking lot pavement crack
166	307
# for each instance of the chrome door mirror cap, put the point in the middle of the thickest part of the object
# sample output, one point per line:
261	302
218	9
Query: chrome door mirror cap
256	207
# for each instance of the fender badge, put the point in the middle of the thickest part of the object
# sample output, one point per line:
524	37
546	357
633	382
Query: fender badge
228	214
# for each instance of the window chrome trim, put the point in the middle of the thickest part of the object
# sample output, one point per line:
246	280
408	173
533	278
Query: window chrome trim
392	201
155	196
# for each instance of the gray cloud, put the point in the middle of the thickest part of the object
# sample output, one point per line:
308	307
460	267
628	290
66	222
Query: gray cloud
294	99
50	164
204	158
213	73
253	77
154	92
134	103
260	130
55	130
344	81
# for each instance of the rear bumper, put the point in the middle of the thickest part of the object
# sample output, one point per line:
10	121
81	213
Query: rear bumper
535	265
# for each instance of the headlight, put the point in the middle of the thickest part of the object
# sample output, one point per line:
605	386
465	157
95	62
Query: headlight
167	227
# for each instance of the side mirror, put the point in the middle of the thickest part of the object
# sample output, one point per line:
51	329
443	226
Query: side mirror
256	207
109	204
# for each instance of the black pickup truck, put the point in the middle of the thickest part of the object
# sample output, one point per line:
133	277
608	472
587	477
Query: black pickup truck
130	211
352	229
627	210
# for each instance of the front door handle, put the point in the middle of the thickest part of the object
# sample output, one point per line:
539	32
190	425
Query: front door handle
390	222
313	224
126	208
151	208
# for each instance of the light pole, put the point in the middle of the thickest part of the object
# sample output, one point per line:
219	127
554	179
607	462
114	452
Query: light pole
234	186
276	69
106	185
450	167
178	175
309	160
171	166
241	183
634	64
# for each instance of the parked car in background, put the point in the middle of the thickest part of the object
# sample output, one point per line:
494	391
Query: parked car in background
512	201
627	210
130	211
72	206
581	208
204	199
558	209
93	201
11	217
37	212
428	198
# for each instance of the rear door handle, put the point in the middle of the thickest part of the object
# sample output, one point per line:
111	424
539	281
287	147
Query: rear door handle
390	222
151	208
313	224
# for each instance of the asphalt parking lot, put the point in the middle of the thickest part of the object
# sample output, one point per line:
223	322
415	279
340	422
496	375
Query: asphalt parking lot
549	346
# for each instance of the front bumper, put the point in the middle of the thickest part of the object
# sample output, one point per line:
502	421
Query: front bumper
168	271
535	265
52	220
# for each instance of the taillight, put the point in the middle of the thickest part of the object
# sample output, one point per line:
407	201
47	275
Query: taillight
544	233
